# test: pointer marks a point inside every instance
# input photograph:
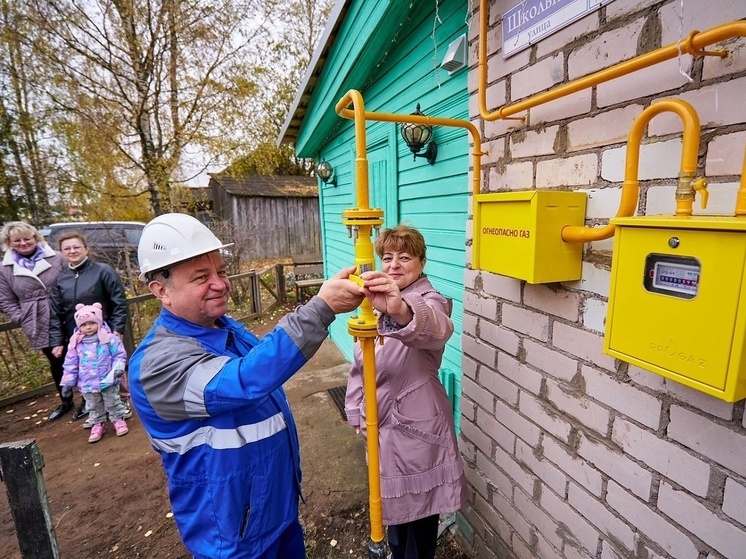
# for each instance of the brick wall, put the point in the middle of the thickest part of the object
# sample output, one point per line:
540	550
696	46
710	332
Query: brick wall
571	453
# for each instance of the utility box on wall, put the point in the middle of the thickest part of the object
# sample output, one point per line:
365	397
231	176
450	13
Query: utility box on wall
519	234
676	303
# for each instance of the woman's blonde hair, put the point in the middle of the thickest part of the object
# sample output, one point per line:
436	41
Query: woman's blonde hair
18	227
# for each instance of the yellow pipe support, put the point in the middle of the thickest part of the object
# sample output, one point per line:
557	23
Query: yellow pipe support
361	162
477	153
361	220
371	422
631	184
741	197
693	45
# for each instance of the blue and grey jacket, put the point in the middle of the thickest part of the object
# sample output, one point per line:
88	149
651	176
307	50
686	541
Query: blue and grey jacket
211	400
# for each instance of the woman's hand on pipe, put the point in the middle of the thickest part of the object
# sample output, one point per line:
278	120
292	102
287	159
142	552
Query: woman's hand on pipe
384	295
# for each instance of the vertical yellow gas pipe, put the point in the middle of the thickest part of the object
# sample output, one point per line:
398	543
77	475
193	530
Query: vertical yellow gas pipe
360	222
741	197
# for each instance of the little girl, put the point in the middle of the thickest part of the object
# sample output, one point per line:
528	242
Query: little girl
95	362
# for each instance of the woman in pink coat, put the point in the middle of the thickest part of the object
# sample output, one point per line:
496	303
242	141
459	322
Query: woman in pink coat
422	474
28	271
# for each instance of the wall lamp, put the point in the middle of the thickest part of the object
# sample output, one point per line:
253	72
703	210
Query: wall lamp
326	173
416	136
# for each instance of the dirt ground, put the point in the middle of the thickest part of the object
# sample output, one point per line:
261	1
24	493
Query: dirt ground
109	499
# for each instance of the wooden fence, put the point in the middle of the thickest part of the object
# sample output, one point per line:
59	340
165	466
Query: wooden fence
24	373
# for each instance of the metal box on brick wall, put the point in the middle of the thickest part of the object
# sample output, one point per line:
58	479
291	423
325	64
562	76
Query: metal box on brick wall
676	302
519	234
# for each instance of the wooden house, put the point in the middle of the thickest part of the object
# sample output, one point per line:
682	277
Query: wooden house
273	216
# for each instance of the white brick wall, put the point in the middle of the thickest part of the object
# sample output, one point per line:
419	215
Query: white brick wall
563	304
580	170
594	315
733	500
606	50
537	77
595	280
598	515
603	129
585	410
571	453
538	518
713	105
582	533
533	143
579	470
517	176
720	444
661	200
725	154
533	324
671	539
545	470
692	515
664	457
658	160
549	361
622	397
603	203
617	466
585	345
664	77
576	104
523	376
705	16
544	418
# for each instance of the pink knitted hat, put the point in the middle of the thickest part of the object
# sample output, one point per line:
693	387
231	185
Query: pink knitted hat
88	313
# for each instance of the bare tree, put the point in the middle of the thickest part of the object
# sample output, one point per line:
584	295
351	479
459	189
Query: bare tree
298	26
143	80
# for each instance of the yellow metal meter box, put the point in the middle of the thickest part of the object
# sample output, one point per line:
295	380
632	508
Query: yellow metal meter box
519	234
676	304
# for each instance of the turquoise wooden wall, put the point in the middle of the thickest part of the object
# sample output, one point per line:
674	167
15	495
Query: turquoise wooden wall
432	198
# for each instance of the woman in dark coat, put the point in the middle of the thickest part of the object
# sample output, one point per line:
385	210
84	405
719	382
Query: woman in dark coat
27	274
84	281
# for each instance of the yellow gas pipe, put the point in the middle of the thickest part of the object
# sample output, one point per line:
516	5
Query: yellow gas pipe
693	45
741	197
360	220
477	152
631	185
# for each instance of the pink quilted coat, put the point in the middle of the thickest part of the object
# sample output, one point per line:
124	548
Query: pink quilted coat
422	473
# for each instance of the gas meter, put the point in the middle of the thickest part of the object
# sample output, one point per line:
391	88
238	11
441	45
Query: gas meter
676	304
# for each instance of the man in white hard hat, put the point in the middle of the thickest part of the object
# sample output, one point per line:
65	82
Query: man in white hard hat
209	394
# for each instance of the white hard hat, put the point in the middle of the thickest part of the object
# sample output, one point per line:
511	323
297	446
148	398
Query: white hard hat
172	238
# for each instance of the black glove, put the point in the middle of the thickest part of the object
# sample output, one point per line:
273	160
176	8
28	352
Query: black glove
66	392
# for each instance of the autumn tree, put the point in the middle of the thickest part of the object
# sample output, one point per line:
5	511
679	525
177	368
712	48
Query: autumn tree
140	84
298	26
25	162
